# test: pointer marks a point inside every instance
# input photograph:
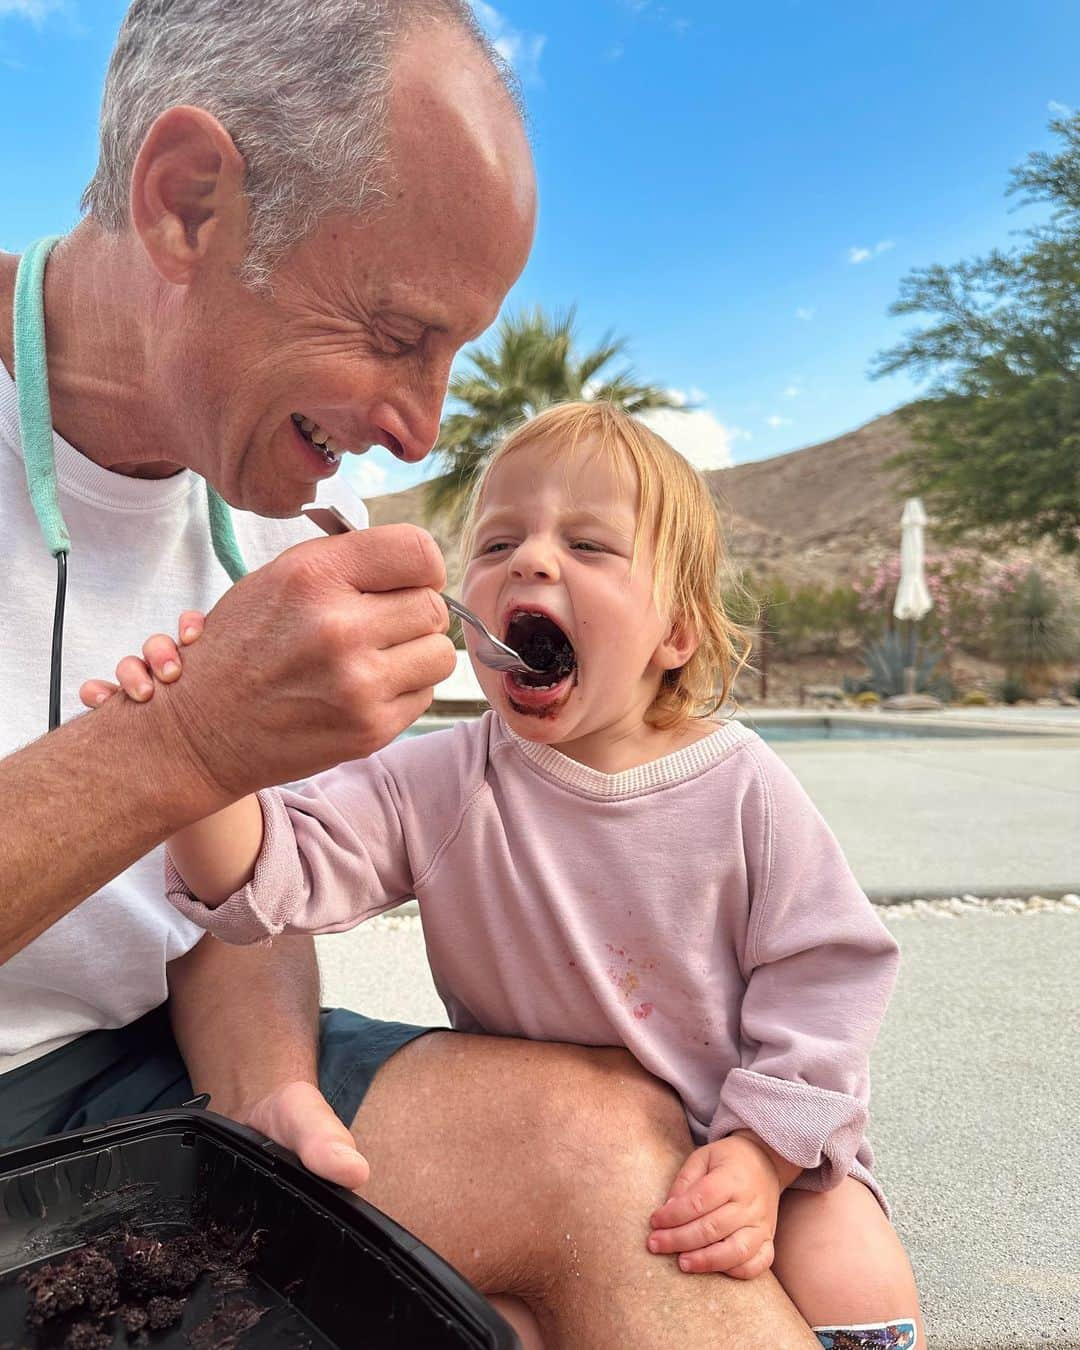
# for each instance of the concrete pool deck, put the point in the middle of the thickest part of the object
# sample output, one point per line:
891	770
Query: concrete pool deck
977	1070
990	804
993	815
973	1114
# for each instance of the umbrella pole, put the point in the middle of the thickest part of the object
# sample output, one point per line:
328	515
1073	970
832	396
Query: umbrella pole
909	668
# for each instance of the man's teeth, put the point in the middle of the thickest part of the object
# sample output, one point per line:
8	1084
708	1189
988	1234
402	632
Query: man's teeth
320	438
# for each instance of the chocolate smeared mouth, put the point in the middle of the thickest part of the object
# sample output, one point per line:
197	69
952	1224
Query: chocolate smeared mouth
542	644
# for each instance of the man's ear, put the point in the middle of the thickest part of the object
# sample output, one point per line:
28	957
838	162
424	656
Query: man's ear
678	646
187	201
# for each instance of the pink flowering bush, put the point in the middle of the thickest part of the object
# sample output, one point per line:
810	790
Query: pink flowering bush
966	587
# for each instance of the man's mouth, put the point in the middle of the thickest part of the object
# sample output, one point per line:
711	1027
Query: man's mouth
319	438
542	644
331	450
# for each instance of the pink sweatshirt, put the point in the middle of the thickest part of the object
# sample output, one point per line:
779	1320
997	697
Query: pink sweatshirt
696	910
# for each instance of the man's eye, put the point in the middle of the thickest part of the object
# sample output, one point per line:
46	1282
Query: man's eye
399	345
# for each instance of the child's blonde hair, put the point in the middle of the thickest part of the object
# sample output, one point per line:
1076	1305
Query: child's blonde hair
690	562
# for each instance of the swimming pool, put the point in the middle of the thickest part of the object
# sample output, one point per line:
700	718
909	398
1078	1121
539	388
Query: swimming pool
786	727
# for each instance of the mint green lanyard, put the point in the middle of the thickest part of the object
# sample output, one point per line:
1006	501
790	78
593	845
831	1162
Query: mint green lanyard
36	434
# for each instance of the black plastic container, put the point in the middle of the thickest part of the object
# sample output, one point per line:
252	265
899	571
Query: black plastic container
331	1271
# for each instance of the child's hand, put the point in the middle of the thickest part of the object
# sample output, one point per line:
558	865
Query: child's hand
160	660
721	1212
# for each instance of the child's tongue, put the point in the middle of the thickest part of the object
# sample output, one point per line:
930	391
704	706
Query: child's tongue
543	645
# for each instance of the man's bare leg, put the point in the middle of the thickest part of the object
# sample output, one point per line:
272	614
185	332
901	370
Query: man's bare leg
533	1169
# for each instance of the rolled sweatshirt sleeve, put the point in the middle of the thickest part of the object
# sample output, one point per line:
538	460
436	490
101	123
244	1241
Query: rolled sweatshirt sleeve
336	850
820	968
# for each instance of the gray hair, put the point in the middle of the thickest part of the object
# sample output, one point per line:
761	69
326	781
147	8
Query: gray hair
302	88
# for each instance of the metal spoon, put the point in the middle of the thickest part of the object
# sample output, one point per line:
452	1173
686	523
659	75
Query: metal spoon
490	650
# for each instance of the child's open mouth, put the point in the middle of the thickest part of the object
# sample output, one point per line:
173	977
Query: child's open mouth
542	644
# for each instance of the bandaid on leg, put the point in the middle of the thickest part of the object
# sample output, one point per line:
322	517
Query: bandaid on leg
898	1335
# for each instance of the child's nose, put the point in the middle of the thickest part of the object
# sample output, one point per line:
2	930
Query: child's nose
534	562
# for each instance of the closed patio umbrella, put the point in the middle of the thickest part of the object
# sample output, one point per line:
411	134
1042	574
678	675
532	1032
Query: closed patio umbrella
913	600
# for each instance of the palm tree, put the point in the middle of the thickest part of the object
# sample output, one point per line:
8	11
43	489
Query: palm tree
531	365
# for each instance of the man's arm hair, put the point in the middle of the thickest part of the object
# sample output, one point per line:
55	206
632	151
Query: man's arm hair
246	1019
82	804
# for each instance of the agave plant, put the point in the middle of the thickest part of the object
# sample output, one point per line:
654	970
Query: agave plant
1032	631
886	660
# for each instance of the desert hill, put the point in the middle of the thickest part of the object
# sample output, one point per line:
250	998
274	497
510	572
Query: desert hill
821	511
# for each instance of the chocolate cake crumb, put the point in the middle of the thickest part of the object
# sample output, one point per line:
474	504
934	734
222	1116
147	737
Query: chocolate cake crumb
85	1281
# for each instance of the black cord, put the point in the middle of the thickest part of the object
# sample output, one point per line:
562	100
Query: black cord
57	641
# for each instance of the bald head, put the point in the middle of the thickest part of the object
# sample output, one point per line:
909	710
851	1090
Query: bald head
305	93
458	151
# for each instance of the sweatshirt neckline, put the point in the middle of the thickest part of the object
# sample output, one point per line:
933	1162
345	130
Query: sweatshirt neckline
676	767
79	476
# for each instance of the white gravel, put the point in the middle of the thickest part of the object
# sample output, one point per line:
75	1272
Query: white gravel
406	920
964	906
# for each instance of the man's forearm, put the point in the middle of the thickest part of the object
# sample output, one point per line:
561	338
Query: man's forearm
83	803
246	1019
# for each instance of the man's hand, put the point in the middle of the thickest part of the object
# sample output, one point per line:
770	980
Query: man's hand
299	1117
323	655
721	1211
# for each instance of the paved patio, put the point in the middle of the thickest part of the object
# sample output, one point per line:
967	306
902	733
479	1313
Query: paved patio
976	1082
977	1073
926	817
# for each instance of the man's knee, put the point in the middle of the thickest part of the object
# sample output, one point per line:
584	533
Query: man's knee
607	1119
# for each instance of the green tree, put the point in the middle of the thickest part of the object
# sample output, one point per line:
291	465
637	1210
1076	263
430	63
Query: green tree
532	364
997	441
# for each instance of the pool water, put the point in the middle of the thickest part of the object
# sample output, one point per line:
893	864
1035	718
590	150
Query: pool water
810	729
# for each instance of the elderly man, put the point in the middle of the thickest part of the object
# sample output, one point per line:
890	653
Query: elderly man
299	215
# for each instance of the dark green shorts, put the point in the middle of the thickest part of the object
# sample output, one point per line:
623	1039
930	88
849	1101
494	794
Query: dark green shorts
107	1074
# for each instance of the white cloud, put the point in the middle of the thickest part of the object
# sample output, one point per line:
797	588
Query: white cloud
365	474
805	312
704	440
522	50
792	391
860	255
1059	109
776	421
34	10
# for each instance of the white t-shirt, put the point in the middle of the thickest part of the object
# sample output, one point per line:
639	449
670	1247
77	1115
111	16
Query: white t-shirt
140	554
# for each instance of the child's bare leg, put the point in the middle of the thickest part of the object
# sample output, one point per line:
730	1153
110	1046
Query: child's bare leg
516	1312
841	1261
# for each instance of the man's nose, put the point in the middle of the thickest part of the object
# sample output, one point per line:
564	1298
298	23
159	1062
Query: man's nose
414	419
413	431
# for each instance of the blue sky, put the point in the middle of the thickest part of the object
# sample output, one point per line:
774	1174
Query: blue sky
737	188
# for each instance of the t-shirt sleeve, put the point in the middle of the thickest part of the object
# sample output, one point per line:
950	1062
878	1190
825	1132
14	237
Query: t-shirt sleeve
339	848
820	967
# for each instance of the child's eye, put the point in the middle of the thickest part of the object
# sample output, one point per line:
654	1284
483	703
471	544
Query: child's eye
496	546
588	546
